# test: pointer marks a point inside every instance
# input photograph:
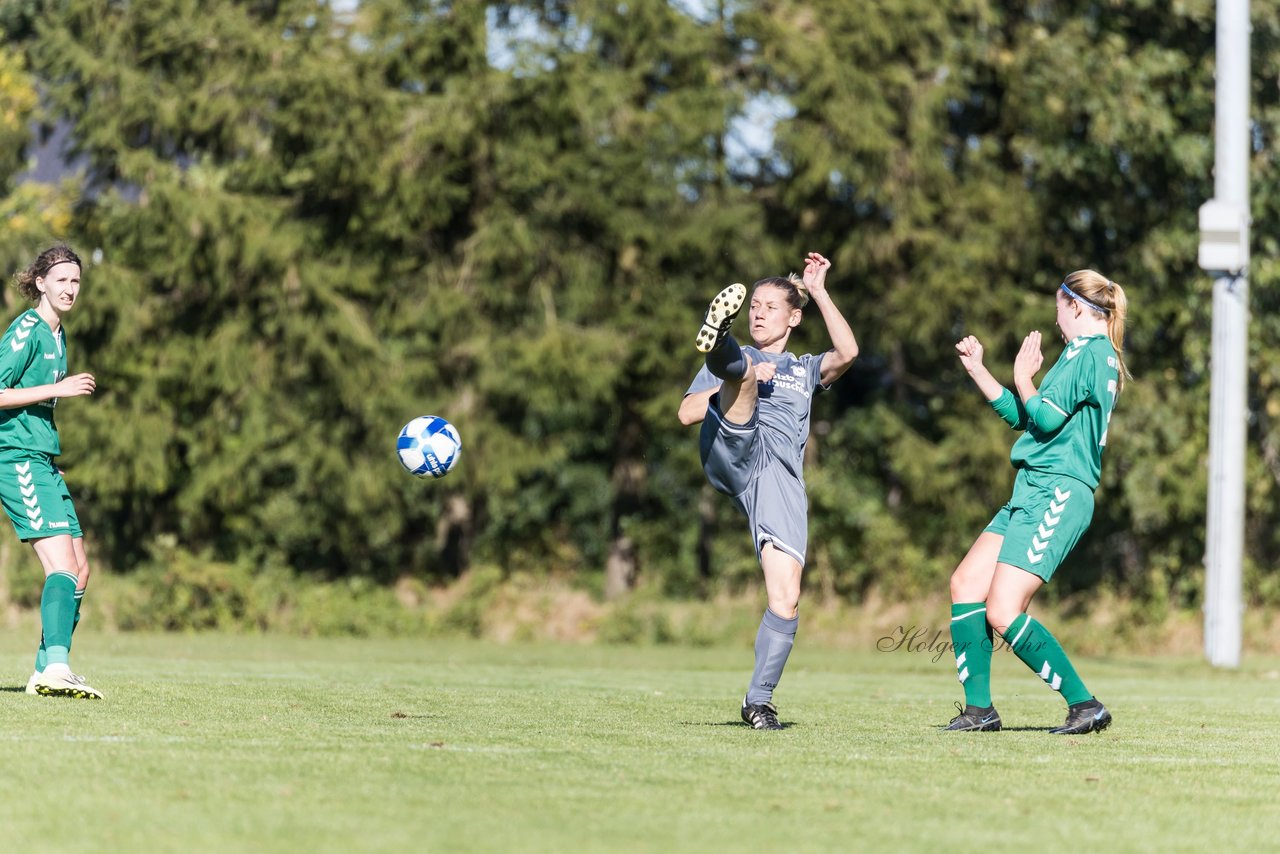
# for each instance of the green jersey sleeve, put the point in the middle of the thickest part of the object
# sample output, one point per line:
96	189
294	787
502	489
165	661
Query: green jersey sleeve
1010	408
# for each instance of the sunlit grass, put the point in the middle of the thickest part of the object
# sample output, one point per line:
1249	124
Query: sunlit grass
219	743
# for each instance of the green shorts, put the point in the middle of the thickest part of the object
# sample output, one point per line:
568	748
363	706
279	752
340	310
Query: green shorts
1043	521
35	495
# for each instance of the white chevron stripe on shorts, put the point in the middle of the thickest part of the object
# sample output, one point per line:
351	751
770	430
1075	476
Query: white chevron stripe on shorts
1049	524
29	498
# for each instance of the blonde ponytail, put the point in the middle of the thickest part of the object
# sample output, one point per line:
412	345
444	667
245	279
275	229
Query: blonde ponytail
1107	299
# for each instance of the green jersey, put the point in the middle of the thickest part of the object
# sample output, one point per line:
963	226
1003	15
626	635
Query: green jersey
31	355
1066	423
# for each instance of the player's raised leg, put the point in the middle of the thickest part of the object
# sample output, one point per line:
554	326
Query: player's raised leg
725	357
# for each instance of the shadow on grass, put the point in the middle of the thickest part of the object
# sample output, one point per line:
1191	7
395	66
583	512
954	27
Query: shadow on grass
1007	729
738	724
1030	728
19	690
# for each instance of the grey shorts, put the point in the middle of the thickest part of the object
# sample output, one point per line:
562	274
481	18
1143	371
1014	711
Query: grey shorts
768	494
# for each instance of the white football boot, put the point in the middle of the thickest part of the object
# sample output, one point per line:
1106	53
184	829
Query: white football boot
719	317
57	680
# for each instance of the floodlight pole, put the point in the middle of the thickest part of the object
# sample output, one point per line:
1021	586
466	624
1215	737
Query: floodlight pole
1224	251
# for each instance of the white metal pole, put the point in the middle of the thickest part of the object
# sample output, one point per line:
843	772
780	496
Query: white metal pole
1224	552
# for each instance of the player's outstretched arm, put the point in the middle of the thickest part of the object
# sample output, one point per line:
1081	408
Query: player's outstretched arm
844	346
73	386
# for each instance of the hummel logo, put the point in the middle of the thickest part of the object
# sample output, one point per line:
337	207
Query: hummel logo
1054	679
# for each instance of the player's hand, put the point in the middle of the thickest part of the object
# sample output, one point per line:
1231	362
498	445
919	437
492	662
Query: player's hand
765	371
1029	358
75	386
970	350
815	273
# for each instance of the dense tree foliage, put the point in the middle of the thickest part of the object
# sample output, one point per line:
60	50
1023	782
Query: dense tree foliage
312	224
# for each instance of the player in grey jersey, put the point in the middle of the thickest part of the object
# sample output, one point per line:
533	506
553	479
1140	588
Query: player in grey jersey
753	403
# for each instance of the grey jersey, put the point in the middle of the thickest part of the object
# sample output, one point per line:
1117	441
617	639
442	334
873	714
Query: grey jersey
784	403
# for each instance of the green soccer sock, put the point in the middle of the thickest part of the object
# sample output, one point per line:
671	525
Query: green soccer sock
1039	649
971	642
57	615
42	654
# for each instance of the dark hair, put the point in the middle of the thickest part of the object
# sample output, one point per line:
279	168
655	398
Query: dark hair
797	293
25	281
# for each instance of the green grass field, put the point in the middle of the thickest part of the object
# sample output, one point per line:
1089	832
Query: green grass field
217	743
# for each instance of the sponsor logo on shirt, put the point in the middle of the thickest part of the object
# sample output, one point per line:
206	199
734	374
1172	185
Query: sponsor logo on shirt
792	383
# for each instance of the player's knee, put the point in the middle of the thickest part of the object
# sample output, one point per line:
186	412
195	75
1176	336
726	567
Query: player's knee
785	607
1001	613
785	600
967	586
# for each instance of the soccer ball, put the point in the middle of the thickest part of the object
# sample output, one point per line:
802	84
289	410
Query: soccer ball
428	446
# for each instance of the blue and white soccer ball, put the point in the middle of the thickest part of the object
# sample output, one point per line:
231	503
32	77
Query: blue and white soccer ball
429	445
